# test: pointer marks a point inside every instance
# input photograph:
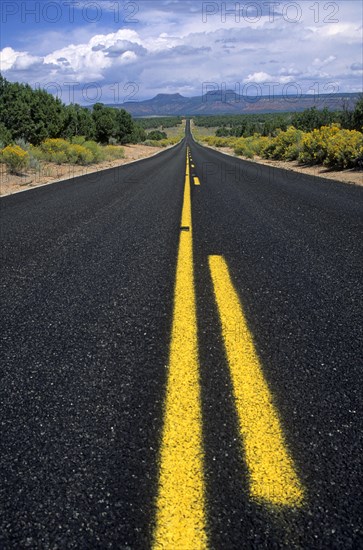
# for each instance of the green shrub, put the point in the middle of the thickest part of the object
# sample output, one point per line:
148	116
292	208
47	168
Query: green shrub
5	136
250	146
34	163
15	158
248	153
293	151
78	140
156	135
96	150
77	154
72	154
113	152
150	143
36	153
59	157
61	151
240	147
215	141
168	141
22	143
163	142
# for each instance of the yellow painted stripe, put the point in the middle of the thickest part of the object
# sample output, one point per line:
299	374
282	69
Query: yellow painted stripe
180	517
272	474
196	180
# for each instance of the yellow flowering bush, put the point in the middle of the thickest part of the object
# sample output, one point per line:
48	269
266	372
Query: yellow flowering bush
315	144
216	141
345	150
333	147
62	151
15	158
78	154
96	149
169	141
329	145
55	150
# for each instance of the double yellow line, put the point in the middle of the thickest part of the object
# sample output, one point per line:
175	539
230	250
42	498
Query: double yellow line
180	522
272	474
181	508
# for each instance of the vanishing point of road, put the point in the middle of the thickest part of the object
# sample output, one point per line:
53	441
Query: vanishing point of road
181	360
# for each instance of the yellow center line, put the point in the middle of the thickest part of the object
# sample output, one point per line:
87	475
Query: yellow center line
196	180
272	473
180	516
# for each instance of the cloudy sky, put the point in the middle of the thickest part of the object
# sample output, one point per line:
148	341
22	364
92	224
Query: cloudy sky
112	51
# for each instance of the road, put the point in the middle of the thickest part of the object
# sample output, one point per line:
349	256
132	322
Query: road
181	358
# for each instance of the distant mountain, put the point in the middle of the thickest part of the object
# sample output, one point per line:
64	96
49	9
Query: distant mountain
228	102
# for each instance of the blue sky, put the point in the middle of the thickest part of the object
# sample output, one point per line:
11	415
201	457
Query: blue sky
113	51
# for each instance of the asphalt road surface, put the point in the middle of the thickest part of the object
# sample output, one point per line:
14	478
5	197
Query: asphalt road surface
181	361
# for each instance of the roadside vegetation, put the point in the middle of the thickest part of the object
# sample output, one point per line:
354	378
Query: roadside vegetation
163	131
162	142
331	139
37	128
22	155
35	116
160	123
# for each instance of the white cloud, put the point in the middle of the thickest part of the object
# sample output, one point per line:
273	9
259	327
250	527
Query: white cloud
11	59
191	52
266	78
92	60
322	62
347	30
259	78
110	39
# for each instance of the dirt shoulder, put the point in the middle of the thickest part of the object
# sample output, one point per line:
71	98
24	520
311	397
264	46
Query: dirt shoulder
50	172
354	177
